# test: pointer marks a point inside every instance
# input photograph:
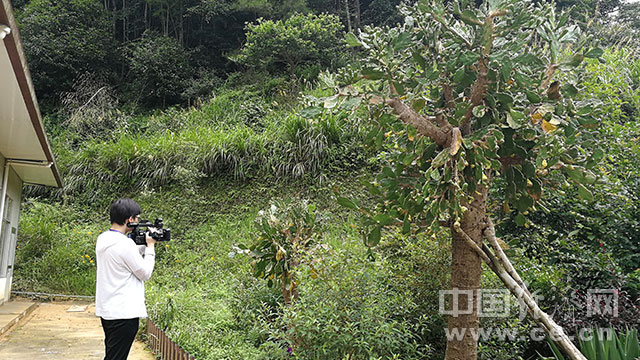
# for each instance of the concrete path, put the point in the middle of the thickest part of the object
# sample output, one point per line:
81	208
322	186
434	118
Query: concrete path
12	312
65	331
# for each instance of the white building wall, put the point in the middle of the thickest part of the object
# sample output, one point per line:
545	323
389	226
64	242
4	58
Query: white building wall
9	232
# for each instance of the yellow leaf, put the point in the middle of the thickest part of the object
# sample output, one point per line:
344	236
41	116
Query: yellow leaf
536	117
548	127
456	141
503	244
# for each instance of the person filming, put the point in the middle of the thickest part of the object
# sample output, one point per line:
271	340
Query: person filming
122	269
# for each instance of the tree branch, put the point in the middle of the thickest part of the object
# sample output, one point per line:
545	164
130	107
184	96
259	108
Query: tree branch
421	122
555	332
518	289
453	31
479	89
490	233
443	123
448	96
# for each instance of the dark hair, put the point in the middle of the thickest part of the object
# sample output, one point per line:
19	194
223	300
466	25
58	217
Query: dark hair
122	209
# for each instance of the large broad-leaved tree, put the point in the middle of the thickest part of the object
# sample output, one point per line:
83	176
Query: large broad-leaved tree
471	104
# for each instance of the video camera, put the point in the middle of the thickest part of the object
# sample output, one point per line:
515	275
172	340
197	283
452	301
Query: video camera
138	234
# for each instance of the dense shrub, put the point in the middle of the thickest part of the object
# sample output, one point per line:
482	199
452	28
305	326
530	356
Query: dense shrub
301	40
64	39
594	245
349	308
160	70
615	82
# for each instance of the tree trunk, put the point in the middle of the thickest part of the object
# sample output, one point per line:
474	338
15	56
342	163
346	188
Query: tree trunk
290	294
346	8
356	10
181	35
114	18
124	21
466	268
166	29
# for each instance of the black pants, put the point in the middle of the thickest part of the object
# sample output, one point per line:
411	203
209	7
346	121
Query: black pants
118	337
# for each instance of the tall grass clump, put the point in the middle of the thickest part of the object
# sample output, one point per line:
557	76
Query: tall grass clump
288	146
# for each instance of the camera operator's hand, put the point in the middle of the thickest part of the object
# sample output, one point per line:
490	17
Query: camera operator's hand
150	241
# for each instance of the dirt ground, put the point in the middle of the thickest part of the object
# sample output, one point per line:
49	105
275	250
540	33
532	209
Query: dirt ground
51	332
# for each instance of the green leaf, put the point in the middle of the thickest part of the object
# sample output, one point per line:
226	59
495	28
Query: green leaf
439	160
515	119
528	59
373	238
399	88
505	99
520	219
556	352
478	111
570	34
352	40
524	203
347	203
351	103
529	169
505	70
406	225
572	61
311	112
469	58
575	173
569	90
533	97
331	102
470	18
372	74
402	41
594	53
596	156
383	219
435	174
419	60
418	105
584	193
585	110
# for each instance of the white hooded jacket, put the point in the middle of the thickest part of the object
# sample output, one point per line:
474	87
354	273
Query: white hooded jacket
121	274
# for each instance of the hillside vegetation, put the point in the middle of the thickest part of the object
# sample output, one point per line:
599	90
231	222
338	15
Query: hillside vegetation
229	156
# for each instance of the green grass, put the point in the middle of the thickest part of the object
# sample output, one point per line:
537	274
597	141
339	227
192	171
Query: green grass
206	301
232	136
